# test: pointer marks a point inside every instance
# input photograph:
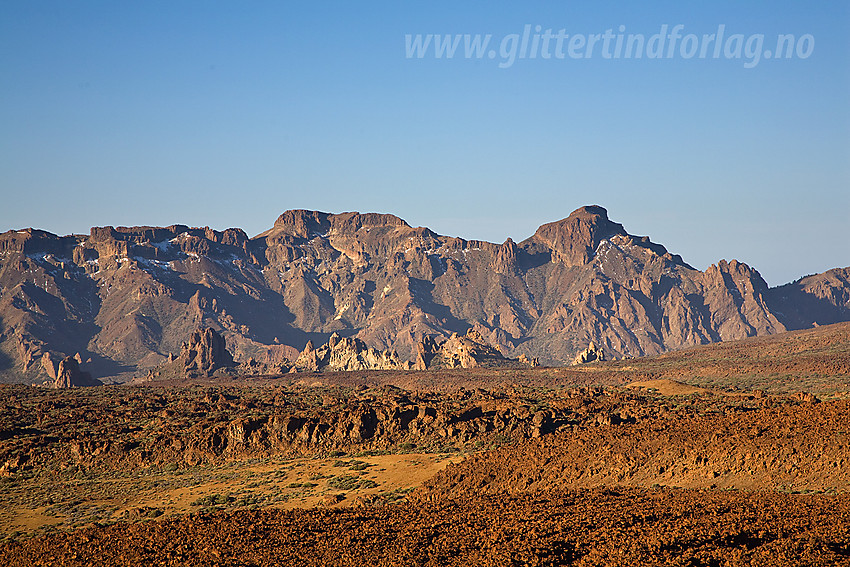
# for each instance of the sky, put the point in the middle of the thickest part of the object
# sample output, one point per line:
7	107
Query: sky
225	114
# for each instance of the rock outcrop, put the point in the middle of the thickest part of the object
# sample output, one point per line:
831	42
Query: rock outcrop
202	356
505	261
205	353
69	374
65	372
50	366
591	354
463	351
347	353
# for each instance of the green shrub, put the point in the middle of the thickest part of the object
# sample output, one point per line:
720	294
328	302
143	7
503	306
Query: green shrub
212	500
348	482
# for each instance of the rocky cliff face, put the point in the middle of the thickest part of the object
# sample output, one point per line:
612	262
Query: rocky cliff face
820	299
124	298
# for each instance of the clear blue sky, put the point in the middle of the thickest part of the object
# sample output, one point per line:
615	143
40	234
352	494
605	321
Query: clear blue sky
226	114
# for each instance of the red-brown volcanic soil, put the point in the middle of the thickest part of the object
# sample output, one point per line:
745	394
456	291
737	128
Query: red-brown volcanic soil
788	447
528	504
595	527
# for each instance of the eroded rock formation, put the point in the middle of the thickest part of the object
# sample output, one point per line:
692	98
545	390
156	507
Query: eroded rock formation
347	353
69	374
462	351
591	354
205	353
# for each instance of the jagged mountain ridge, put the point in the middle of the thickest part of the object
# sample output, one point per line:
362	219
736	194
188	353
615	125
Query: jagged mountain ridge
124	298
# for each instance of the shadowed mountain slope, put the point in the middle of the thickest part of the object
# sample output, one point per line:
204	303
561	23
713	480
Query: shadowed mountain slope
125	298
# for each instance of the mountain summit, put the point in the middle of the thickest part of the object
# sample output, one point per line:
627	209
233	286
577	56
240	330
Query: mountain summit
123	299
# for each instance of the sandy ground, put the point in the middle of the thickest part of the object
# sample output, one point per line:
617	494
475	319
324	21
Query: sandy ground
277	483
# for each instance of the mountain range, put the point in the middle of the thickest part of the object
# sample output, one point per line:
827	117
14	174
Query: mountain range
121	300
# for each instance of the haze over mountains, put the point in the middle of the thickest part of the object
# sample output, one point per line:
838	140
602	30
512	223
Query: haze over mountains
125	298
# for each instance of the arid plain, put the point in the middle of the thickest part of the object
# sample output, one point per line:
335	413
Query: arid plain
723	454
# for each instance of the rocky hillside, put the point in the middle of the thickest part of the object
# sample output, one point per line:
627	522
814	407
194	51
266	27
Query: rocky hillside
125	299
741	448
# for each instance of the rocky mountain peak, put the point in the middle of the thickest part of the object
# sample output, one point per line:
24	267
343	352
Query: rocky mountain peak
35	241
574	239
300	223
345	223
735	274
